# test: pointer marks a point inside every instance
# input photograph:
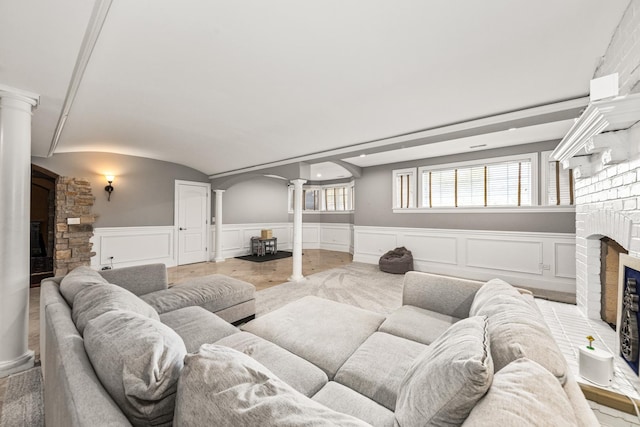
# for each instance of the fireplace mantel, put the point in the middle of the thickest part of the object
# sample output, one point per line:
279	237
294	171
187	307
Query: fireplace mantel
586	135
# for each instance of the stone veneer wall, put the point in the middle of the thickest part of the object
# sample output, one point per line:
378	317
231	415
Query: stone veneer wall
608	203
73	248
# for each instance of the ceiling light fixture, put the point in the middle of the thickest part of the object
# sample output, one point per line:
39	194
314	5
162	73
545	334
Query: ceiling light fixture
363	155
512	129
318	175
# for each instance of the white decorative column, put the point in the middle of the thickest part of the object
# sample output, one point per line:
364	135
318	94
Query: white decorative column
296	275
15	200
219	256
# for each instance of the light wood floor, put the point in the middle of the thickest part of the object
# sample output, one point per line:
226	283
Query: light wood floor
262	275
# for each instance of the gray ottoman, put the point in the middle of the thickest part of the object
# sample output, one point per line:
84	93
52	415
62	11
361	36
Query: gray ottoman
324	332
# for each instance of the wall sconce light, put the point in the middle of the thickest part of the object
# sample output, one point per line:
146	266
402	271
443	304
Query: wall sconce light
109	188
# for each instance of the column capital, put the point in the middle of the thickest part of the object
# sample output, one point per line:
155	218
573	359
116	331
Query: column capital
218	191
19	94
298	181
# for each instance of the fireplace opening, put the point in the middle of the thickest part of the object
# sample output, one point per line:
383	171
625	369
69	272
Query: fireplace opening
610	252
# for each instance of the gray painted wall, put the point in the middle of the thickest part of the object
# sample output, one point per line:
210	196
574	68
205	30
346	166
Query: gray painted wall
144	188
373	200
260	200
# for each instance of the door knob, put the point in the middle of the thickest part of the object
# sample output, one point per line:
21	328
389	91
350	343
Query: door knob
181	229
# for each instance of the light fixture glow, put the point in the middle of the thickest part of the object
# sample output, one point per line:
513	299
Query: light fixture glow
109	187
512	129
363	155
318	175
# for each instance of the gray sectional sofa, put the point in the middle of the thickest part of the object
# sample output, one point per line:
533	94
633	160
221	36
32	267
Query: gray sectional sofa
457	352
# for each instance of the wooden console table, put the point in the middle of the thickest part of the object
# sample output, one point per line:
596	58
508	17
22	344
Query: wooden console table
261	247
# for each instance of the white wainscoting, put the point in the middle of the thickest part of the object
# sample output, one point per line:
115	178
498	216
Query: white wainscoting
541	260
131	246
236	238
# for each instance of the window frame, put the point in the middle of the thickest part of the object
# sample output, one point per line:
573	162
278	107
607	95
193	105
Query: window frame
322	203
536	186
412	182
545	158
531	157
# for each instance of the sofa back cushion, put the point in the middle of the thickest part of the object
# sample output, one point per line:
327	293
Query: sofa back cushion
138	360
523	394
489	290
78	279
447	380
92	301
517	329
223	387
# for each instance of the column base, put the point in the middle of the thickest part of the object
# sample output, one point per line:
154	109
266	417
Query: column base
22	363
299	278
219	259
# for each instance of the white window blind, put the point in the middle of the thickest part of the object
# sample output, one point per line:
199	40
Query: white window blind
493	184
336	198
559	185
404	188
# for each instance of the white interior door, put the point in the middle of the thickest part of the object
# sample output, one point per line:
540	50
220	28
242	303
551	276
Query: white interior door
192	221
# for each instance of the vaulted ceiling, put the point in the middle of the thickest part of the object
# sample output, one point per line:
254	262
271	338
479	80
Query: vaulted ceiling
225	86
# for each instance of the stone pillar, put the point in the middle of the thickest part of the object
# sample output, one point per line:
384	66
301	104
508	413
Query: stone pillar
15	190
296	275
73	241
219	256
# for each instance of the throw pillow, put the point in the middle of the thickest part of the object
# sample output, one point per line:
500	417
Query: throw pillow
92	301
489	290
447	380
138	361
517	329
523	394
223	387
78	279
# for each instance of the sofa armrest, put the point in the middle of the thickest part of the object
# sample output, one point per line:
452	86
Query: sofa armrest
140	280
446	295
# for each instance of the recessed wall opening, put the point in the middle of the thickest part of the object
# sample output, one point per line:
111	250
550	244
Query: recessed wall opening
610	252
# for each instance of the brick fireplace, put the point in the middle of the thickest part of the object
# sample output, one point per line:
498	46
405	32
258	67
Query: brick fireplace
607	205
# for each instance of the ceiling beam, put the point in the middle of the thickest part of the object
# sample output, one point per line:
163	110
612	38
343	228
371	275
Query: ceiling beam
557	111
98	17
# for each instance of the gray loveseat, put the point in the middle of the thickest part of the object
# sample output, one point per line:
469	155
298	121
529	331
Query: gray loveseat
457	352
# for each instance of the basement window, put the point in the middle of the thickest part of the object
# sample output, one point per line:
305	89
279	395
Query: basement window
557	182
501	182
335	198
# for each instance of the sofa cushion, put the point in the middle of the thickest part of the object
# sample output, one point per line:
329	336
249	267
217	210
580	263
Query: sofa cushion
197	326
489	290
525	394
378	366
517	330
417	324
78	279
92	301
294	370
324	332
138	361
223	387
343	399
447	380
213	293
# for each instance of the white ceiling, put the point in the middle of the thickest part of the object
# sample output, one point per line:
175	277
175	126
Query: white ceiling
228	85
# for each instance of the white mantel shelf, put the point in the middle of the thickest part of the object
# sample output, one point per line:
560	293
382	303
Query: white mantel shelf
612	114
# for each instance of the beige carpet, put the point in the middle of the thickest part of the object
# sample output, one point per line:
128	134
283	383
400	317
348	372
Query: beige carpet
361	285
24	404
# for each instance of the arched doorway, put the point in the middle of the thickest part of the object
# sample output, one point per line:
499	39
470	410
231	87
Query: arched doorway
43	207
